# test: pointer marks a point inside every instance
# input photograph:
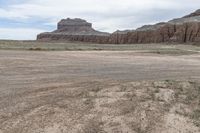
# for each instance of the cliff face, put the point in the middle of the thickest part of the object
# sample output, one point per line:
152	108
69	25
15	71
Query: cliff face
74	25
185	29
186	32
194	14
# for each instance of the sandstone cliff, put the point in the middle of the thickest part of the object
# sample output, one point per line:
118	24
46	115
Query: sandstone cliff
74	30
185	29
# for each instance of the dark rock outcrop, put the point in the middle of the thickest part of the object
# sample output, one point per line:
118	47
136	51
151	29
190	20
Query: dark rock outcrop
181	30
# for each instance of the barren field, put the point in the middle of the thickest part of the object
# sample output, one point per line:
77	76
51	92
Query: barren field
138	90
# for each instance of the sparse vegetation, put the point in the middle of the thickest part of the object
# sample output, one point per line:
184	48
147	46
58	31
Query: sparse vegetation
163	49
172	51
35	49
196	117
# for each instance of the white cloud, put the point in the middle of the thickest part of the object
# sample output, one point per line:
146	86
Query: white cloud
63	8
60	8
11	14
19	33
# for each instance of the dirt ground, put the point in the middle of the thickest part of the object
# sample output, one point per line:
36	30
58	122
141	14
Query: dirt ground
99	92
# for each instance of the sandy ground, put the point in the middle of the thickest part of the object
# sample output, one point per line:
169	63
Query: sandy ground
98	91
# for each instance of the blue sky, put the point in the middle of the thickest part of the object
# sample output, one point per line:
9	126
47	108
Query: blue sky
24	19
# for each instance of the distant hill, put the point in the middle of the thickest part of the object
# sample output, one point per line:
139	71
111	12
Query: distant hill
181	30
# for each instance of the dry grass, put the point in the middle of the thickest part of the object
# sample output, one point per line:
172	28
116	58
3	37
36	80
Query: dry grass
172	49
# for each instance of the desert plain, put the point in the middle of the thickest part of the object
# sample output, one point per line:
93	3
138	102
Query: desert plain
99	88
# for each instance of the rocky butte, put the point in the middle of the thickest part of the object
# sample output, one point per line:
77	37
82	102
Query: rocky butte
74	30
180	30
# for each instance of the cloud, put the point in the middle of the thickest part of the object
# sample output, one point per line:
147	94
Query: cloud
106	15
19	33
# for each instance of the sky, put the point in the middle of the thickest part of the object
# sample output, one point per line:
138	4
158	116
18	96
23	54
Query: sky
24	19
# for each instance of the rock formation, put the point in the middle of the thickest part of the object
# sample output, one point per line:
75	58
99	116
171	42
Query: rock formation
75	30
182	30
